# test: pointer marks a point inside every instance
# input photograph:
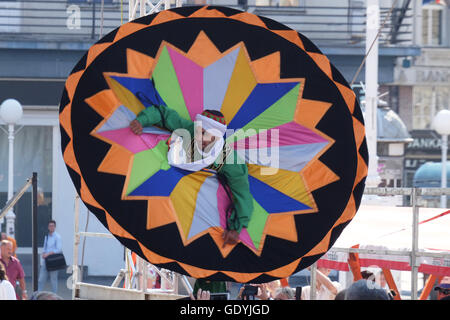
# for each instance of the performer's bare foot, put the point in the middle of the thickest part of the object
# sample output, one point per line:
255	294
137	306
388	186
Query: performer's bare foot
230	237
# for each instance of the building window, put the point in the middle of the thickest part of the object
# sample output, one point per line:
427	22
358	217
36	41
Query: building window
432	25
281	3
33	147
427	101
90	1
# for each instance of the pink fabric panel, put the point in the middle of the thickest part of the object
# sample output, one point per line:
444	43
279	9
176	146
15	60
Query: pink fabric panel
126	138
151	140
190	78
289	134
245	238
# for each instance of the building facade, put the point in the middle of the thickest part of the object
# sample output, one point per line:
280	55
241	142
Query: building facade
40	43
421	88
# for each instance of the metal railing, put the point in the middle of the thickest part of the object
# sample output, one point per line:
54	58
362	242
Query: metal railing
138	283
338	22
134	275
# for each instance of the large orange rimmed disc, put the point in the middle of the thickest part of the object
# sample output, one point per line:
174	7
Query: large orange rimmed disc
267	80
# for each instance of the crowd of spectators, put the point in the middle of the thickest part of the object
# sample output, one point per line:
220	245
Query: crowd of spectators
370	287
12	275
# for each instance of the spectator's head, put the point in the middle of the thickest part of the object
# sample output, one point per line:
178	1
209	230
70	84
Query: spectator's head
284	293
4	236
443	288
365	290
367	275
45	295
340	295
2	272
51	226
6	249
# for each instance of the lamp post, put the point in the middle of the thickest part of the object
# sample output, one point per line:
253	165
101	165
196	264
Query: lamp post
441	123
11	112
371	89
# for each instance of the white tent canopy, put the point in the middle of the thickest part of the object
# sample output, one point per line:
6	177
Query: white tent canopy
390	228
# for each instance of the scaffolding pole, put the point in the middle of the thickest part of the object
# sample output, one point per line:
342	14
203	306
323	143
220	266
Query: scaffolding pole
75	248
415	245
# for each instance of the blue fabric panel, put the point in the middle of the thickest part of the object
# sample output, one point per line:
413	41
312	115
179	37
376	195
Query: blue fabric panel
262	97
272	200
161	183
143	89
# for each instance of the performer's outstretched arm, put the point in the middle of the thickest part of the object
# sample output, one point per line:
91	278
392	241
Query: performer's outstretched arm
160	116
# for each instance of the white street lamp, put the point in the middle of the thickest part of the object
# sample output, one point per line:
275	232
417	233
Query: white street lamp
441	123
11	111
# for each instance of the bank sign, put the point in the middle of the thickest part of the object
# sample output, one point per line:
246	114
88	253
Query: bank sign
426	142
425	147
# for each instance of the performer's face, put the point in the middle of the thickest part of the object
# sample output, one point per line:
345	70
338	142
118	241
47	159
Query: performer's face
204	138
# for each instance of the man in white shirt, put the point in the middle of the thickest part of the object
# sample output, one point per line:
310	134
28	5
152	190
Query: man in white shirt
325	288
52	245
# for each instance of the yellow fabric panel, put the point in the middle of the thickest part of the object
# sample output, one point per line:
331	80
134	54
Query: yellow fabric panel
288	182
184	198
125	96
241	85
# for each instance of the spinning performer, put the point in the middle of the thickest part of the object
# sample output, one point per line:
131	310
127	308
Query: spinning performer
205	151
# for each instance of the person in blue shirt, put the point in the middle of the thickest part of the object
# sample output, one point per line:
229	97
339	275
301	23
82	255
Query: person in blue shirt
52	245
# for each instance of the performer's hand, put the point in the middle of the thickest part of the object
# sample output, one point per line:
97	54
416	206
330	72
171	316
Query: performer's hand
230	237
203	295
136	127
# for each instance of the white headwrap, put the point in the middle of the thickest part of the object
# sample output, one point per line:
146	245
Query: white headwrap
210	124
177	155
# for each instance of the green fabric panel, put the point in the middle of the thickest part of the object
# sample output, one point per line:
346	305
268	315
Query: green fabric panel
236	174
279	113
257	223
146	164
166	82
